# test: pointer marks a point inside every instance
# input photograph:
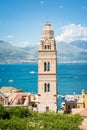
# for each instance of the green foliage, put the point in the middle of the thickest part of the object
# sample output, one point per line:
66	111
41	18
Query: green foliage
21	118
14	123
3	113
19	112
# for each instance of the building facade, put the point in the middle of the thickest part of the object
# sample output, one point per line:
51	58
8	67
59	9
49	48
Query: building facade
10	97
73	102
47	71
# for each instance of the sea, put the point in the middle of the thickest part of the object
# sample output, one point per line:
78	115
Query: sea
71	77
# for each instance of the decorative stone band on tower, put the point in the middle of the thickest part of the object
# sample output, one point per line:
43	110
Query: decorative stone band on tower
47	71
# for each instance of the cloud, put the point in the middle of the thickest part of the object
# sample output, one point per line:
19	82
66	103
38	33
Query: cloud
72	32
23	44
9	36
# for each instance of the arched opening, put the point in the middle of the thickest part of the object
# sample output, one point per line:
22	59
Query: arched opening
46	87
46	66
45	47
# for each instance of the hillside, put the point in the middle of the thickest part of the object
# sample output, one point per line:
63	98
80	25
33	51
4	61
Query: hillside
67	52
72	52
12	54
75	51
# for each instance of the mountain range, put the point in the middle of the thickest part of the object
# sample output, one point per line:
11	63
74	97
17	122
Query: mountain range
75	51
72	52
12	54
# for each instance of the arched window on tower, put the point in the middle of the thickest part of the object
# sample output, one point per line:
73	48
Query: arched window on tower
46	66
48	47
46	87
45	47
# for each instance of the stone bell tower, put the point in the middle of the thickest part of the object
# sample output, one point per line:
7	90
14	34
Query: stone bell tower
47	71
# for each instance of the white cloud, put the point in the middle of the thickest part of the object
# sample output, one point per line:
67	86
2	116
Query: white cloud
72	32
9	36
23	44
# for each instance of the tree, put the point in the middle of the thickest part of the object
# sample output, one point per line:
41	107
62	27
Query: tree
3	112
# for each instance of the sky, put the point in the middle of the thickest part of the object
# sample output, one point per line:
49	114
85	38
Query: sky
21	21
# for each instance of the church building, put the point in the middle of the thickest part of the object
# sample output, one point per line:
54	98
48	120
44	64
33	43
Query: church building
47	71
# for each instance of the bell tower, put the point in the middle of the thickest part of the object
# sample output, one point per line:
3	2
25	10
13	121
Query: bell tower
47	71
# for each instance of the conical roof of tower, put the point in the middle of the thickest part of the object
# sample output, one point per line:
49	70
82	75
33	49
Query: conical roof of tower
47	27
47	32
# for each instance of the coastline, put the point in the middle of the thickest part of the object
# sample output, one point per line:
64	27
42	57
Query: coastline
36	62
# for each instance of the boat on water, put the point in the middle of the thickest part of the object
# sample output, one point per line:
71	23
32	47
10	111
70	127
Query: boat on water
11	80
32	72
62	96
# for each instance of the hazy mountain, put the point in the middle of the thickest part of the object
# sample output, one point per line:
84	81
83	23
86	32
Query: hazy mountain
12	54
32	49
75	51
81	44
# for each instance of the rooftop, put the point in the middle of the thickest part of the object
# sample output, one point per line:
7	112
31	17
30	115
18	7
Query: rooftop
8	89
47	27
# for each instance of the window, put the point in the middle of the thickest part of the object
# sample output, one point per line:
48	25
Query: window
47	108
73	106
46	87
47	47
68	107
46	66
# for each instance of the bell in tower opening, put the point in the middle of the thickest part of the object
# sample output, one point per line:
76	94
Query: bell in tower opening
47	71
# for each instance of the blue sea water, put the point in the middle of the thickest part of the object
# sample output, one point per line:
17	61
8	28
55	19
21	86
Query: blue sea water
71	77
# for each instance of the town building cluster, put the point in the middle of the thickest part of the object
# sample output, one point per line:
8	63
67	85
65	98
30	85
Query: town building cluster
76	103
10	97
